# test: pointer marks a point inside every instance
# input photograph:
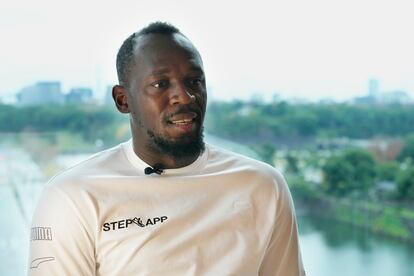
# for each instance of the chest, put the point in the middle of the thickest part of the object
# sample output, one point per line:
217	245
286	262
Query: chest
185	229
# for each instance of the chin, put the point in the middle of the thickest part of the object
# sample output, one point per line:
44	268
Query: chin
185	146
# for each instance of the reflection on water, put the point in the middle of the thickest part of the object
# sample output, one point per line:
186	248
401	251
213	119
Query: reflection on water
332	248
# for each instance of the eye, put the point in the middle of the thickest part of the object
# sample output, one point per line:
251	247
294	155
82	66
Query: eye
196	82
161	84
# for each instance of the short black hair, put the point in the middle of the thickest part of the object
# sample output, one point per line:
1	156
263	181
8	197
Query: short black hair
125	56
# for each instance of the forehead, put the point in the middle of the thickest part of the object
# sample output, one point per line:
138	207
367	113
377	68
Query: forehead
159	50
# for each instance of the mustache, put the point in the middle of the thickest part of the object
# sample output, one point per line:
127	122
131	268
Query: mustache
184	109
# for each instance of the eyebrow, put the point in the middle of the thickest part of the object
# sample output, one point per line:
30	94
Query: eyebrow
163	71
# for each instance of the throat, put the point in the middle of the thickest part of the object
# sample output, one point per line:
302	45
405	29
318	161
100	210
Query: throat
174	163
163	161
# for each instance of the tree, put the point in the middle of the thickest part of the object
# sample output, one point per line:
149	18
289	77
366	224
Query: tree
408	149
405	183
352	170
292	164
388	171
266	151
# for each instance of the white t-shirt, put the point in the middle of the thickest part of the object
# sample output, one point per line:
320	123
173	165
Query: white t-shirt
224	214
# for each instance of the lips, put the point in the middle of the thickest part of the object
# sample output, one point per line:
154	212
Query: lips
183	118
183	122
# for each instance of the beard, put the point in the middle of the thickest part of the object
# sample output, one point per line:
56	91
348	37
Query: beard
184	148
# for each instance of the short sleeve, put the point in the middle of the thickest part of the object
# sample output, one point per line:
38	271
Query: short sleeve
60	242
282	257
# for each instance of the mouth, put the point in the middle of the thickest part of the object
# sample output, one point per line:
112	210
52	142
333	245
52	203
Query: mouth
184	122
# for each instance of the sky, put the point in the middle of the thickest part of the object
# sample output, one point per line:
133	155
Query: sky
293	48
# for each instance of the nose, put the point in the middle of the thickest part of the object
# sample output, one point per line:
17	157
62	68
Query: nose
181	95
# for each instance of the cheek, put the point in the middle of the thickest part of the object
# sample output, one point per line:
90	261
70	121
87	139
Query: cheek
152	116
202	101
152	109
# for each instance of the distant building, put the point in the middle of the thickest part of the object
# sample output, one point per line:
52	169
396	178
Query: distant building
397	96
326	101
376	96
79	95
373	93
41	93
108	96
373	88
365	100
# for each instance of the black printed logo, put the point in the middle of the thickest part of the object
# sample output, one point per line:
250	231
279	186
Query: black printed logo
125	223
138	222
41	234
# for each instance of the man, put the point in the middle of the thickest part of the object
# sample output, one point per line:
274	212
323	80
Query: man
165	203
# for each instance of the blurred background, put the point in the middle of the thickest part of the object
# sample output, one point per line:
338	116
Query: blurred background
322	90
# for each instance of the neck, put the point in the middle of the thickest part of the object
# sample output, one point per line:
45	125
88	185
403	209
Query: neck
154	157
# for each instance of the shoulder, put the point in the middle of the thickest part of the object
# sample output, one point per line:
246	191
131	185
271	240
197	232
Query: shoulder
105	163
228	158
223	160
69	190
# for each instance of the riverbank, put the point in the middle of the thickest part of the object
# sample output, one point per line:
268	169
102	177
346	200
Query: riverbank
378	217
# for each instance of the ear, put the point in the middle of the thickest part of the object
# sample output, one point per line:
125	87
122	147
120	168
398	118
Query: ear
120	96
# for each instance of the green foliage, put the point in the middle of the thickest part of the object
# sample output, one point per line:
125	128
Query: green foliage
292	164
350	171
301	189
405	183
243	121
390	223
91	122
408	149
388	171
407	214
350	214
266	152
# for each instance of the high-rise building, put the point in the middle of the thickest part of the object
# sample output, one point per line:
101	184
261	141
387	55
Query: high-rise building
108	96
373	88
79	95
41	93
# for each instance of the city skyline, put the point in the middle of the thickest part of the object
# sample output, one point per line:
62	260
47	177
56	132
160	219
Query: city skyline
322	49
43	92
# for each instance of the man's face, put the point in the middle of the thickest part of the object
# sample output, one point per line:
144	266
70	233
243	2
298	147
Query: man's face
167	94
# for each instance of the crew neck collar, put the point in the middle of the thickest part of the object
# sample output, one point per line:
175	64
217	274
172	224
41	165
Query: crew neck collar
140	164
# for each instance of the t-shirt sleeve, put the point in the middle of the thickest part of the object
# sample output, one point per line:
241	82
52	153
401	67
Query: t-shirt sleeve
283	257
60	243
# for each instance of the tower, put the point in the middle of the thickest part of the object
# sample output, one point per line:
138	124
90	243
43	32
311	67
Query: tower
373	88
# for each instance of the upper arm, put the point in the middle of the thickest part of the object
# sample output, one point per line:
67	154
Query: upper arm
282	257
61	243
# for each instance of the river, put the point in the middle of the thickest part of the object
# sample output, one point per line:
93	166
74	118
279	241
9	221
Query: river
332	248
